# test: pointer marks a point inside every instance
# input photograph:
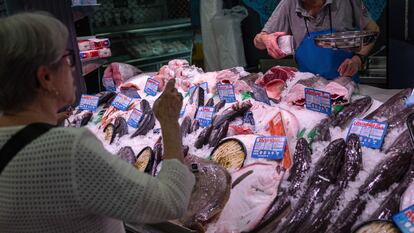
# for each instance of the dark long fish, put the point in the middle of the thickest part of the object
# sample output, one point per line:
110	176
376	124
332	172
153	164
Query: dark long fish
390	171
397	123
157	156
203	137
237	110
325	174
392	106
197	99
105	97
341	119
185	127
210	102
121	126
357	108
218	134
402	143
352	166
147	122
391	205
301	165
219	106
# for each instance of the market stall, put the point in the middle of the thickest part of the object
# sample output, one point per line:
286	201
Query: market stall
283	151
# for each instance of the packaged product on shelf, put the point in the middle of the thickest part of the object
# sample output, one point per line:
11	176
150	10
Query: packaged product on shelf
93	44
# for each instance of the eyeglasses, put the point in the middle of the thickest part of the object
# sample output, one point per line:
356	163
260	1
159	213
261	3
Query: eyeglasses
70	58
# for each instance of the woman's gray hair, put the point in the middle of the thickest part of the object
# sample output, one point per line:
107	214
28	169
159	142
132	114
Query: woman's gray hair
27	41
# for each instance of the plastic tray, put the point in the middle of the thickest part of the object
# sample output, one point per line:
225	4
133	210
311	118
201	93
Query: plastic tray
352	40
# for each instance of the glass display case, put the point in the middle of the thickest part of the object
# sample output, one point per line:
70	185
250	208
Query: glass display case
145	33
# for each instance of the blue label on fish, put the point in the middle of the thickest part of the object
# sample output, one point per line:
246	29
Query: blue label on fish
202	85
272	147
405	220
205	116
151	88
371	133
135	118
109	84
226	92
131	92
182	111
318	101
248	118
89	102
121	102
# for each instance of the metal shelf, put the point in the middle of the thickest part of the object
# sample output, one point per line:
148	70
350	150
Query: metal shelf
127	59
145	28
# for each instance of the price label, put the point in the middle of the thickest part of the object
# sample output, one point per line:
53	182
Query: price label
202	85
151	87
205	116
89	102
226	92
272	147
182	111
318	101
135	118
131	92
405	220
109	84
248	118
121	102
371	133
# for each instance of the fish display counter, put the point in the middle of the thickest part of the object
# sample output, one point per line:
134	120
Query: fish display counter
283	151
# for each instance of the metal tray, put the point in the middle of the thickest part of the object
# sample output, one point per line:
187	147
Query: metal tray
352	40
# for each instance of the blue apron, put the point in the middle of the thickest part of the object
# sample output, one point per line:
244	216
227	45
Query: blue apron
322	61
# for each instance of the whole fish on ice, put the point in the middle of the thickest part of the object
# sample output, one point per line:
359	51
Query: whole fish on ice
254	189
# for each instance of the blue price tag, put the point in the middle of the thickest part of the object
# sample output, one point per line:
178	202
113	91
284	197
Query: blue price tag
272	147
203	85
89	102
371	133
135	118
121	102
109	84
131	92
226	92
182	111
205	116
151	87
248	118
318	101
405	220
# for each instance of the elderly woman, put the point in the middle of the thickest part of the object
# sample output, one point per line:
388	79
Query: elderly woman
65	181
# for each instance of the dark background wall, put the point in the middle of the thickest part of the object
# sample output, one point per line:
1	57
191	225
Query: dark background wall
401	44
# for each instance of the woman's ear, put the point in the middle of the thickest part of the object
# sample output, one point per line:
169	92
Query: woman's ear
43	78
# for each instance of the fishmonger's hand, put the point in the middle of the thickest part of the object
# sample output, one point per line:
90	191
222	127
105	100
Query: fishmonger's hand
350	67
267	41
